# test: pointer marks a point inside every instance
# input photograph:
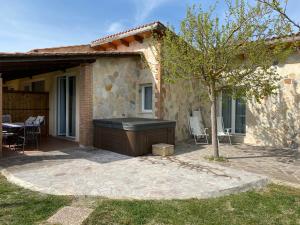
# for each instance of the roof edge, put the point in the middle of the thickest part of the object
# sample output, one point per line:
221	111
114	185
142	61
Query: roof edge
55	54
134	31
57	47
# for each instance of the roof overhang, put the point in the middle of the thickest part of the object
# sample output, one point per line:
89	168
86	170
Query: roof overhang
20	65
124	38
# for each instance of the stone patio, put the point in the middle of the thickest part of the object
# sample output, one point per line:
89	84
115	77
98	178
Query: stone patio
97	172
281	165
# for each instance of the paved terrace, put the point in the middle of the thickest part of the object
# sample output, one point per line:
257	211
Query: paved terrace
76	171
281	165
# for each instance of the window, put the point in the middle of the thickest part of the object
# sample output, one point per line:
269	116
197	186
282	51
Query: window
35	86
147	98
233	112
27	87
38	86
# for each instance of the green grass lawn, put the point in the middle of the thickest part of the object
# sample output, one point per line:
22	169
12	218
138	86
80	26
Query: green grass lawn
20	206
273	205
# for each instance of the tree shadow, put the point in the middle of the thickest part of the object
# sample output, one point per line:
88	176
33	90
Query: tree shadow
283	155
276	121
62	156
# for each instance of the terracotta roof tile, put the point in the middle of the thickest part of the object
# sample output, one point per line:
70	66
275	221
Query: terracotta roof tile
129	31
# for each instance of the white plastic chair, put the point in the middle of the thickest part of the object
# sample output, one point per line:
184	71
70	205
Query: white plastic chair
197	131
223	132
197	113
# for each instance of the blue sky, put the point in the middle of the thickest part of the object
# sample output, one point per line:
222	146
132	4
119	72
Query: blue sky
28	24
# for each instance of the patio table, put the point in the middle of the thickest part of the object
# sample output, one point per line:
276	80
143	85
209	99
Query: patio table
10	133
13	125
17	125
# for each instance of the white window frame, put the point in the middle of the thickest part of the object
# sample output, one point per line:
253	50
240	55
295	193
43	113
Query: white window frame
233	105
143	98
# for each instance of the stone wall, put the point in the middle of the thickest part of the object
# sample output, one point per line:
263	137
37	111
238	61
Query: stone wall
116	87
276	120
150	53
171	101
179	100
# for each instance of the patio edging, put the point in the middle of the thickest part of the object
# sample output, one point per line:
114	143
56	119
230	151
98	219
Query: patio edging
261	183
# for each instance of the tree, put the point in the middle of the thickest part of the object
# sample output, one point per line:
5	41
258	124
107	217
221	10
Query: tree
236	54
280	7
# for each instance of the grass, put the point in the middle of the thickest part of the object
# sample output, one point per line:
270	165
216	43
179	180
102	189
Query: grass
20	206
274	205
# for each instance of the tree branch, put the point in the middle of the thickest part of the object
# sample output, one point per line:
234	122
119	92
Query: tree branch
280	11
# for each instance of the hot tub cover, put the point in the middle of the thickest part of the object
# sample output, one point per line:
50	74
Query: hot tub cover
134	123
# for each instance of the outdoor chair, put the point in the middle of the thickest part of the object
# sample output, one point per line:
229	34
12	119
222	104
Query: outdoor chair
21	141
197	131
6	118
15	140
33	130
30	120
7	138
198	114
222	132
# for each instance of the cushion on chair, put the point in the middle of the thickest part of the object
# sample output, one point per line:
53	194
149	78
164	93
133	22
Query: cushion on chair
39	120
30	120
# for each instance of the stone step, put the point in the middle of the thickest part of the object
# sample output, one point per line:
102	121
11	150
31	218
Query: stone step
70	215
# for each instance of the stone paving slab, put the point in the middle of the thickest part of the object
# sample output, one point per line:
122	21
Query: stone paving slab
70	216
281	165
108	174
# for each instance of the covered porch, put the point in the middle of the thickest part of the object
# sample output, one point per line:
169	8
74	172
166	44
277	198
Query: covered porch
21	75
47	144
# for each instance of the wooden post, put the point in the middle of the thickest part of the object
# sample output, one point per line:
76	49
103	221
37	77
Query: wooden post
1	90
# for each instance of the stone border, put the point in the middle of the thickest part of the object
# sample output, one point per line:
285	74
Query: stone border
261	183
17	181
285	183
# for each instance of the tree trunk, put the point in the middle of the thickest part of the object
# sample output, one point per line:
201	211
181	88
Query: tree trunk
213	113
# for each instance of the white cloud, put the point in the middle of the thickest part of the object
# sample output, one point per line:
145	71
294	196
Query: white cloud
145	8
115	27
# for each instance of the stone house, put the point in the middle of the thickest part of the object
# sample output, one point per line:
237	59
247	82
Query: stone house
120	76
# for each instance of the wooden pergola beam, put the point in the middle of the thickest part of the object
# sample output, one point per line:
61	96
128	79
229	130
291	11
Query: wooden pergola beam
112	45
124	42
138	38
101	48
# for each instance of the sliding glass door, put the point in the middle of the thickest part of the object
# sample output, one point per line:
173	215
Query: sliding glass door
61	106
66	106
227	110
240	116
233	112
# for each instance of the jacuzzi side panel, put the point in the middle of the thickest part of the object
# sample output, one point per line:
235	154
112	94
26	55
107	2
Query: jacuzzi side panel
132	143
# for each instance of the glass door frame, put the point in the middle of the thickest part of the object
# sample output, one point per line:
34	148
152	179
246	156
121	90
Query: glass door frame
58	105
233	114
67	101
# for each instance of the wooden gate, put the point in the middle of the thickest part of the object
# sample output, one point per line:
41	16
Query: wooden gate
22	104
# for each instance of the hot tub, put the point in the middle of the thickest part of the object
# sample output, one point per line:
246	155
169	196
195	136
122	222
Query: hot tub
132	136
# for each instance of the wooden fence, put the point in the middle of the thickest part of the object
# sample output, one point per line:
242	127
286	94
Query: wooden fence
22	104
